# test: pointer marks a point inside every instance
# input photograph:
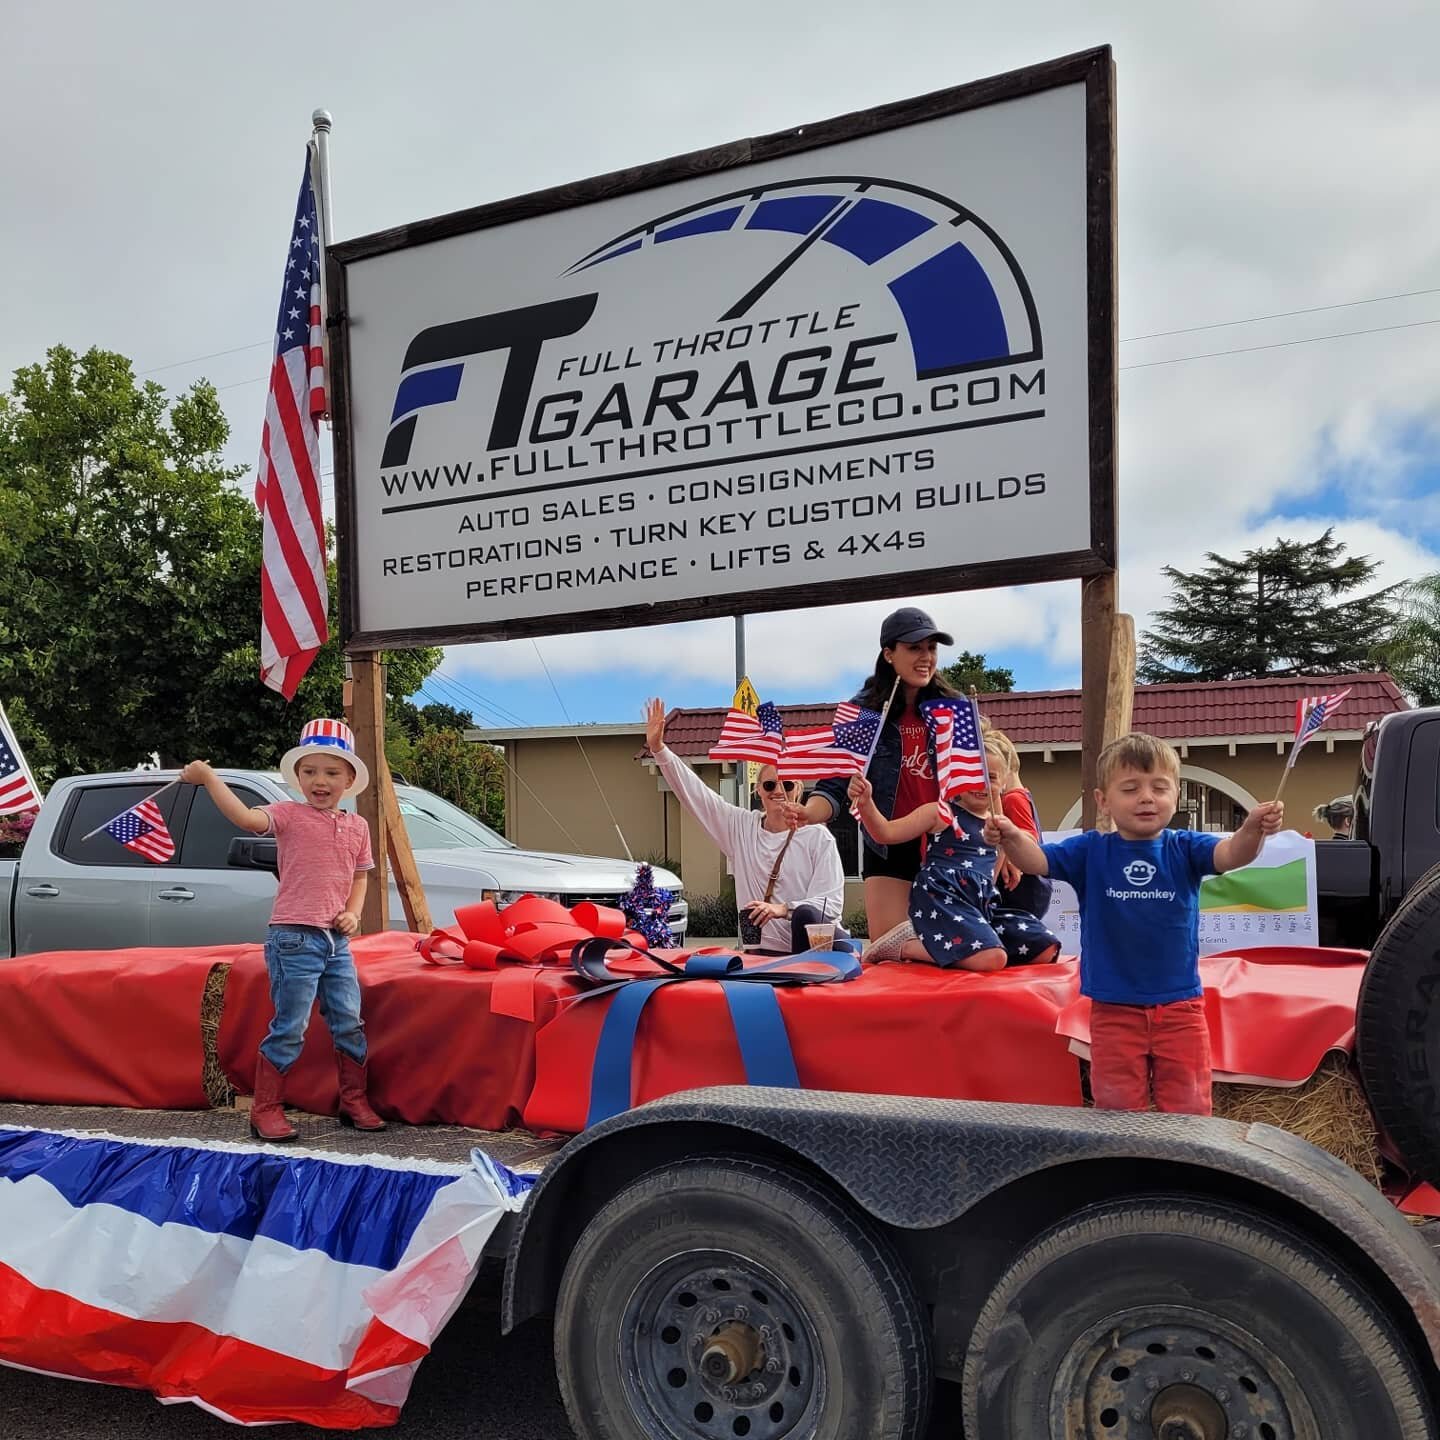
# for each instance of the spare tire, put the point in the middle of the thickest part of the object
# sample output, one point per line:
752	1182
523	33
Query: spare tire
1397	1028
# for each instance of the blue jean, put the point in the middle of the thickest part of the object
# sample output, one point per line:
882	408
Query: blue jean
306	961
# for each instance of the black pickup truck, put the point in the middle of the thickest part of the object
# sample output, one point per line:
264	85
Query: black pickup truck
1396	834
1380	891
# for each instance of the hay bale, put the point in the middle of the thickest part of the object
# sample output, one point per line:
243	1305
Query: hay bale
1329	1110
212	1007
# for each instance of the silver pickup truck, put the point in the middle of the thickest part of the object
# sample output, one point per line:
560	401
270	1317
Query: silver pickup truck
68	893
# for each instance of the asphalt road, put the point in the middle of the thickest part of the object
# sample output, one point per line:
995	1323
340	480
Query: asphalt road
476	1386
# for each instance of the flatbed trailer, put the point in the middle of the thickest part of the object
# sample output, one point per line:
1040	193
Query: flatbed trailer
769	1263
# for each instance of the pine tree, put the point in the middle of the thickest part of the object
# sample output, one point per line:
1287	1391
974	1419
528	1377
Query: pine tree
1277	610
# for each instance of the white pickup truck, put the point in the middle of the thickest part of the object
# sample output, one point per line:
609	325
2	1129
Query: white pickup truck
65	892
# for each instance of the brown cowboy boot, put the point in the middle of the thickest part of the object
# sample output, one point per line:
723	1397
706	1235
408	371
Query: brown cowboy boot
354	1107
267	1112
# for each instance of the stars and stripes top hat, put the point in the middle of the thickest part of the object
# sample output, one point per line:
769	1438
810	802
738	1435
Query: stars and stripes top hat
327	737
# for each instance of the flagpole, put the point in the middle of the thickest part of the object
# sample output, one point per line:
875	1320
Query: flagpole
168	785
320	181
875	743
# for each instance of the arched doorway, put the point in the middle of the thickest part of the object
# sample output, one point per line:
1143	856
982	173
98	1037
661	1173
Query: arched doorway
1208	801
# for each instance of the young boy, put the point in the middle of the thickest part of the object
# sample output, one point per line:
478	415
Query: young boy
1139	886
324	855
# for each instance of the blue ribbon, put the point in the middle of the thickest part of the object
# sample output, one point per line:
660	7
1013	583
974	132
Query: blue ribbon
750	994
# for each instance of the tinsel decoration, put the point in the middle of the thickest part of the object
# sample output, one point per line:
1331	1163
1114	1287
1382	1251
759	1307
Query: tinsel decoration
647	908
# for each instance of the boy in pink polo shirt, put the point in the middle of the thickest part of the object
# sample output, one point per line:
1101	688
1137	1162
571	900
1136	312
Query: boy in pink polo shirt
324	859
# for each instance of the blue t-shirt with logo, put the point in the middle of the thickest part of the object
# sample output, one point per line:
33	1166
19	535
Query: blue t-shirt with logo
1139	912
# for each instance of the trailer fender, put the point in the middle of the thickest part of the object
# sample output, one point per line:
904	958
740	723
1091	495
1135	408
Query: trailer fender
916	1164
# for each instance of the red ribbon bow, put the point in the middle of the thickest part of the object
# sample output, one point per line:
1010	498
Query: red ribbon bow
531	933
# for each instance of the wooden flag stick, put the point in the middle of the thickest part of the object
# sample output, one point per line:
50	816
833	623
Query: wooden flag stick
875	743
1284	776
984	759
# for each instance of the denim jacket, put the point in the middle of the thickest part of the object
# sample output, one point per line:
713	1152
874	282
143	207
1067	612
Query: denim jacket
883	775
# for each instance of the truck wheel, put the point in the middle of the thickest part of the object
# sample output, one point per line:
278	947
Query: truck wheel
1175	1317
1397	1027
720	1298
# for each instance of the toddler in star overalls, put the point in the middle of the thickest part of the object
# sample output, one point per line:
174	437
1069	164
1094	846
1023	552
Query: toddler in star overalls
958	918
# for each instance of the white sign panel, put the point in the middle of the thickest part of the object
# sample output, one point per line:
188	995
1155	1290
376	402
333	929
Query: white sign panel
862	367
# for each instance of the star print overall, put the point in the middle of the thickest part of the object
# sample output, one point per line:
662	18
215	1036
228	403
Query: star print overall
954	905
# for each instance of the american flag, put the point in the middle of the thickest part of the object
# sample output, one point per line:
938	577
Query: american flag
142	829
843	747
18	790
293	623
954	728
757	737
1310	714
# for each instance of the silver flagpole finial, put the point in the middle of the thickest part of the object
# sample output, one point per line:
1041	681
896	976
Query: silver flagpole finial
322	119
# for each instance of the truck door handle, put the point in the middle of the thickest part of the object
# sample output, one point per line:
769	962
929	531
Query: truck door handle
43	892
178	893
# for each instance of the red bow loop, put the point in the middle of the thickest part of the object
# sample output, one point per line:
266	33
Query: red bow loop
532	931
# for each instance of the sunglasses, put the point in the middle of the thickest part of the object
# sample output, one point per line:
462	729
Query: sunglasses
771	786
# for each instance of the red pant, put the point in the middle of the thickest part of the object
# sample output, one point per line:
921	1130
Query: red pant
1128	1041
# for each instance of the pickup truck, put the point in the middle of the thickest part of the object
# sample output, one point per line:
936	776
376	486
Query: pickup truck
65	892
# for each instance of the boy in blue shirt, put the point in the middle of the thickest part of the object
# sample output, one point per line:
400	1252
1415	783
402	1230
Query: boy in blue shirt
1139	888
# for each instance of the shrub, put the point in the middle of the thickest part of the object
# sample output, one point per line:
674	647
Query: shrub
857	924
713	915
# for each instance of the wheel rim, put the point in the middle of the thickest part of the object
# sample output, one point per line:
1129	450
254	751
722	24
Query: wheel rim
714	1344
1177	1374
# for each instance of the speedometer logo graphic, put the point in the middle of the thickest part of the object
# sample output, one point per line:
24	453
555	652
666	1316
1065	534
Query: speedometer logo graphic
962	296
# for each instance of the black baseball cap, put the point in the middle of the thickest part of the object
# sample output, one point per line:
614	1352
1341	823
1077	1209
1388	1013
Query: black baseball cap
910	624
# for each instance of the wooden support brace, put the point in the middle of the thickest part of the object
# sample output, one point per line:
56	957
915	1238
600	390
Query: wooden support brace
402	858
367	720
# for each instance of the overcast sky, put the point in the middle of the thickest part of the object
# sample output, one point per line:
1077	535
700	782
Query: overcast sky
1273	157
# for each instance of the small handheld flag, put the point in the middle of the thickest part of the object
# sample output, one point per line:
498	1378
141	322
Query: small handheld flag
1311	712
843	747
18	790
758	737
142	828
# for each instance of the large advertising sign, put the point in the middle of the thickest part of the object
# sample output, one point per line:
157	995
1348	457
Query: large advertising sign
866	358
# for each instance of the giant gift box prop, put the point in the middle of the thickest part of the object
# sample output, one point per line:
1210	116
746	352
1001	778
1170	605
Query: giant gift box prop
113	1027
900	1030
452	1041
1273	1014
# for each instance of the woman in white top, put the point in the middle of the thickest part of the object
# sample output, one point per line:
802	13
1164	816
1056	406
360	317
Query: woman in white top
810	883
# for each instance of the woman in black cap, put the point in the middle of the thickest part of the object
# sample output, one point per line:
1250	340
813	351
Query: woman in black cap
902	770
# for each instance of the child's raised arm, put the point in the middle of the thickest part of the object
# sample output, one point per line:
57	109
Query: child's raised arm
1244	845
1002	831
227	802
920	821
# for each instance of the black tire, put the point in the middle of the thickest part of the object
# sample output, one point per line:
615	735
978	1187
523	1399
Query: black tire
720	1298
1134	1313
1397	1027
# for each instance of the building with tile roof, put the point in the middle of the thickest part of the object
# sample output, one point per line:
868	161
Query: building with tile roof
1232	737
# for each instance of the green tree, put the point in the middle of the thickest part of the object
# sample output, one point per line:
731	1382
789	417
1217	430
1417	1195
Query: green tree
1412	652
1277	610
468	775
966	670
129	577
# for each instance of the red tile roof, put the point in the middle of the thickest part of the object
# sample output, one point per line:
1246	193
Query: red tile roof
1223	709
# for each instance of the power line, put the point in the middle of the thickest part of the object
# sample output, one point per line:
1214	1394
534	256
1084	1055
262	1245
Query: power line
475	698
1279	315
1125	340
196	359
1278	345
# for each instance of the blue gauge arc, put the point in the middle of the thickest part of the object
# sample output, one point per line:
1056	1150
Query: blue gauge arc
950	298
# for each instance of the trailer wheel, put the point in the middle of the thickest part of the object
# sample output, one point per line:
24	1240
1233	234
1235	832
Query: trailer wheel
719	1298
1397	1027
1178	1318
